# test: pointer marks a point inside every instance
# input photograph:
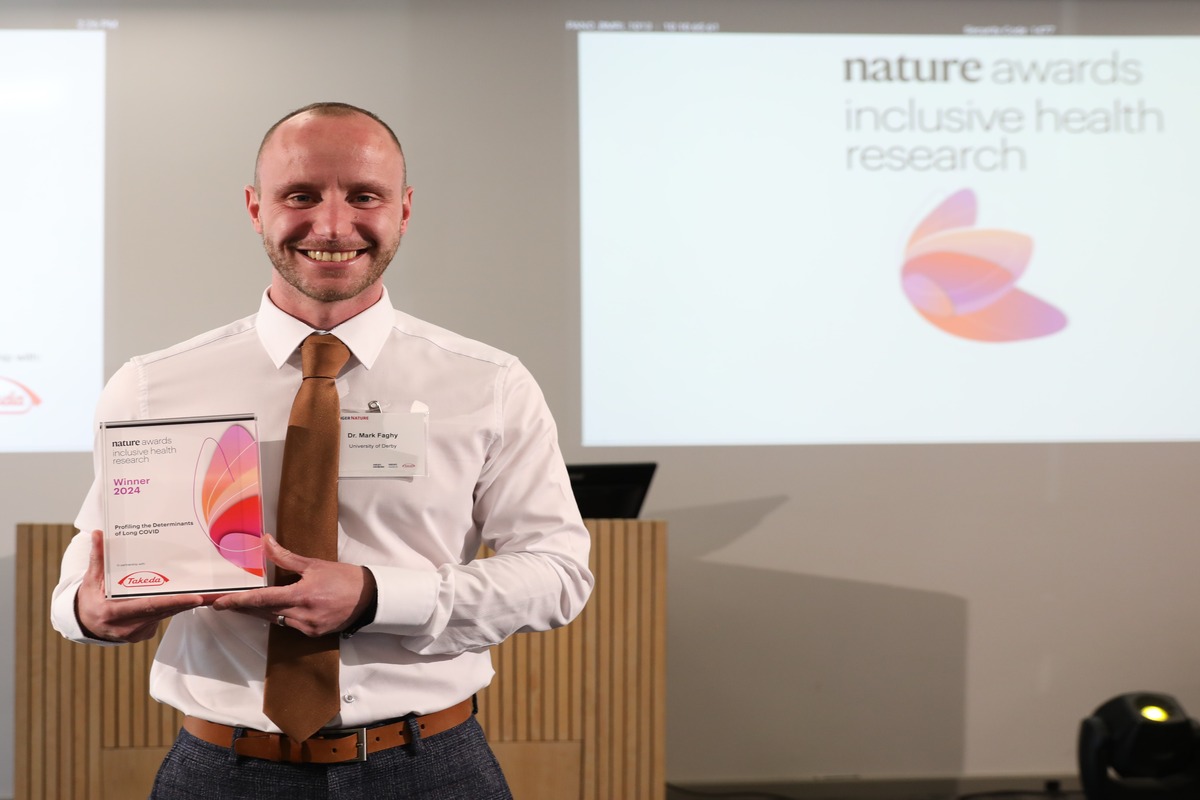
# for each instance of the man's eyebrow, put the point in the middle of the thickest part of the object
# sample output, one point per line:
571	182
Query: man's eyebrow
371	187
296	186
381	188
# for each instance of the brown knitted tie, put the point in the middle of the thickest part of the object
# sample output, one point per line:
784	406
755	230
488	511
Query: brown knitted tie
301	692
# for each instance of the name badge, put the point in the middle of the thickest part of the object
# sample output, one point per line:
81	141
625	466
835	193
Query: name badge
384	444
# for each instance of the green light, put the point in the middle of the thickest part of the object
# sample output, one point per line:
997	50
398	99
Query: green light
1155	713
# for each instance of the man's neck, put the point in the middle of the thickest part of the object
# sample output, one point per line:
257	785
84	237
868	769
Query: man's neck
323	316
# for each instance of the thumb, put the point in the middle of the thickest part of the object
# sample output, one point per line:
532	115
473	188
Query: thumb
95	569
280	556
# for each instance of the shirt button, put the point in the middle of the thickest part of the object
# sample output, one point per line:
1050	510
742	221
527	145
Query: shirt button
348	698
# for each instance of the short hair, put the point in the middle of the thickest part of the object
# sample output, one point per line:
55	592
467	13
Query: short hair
329	108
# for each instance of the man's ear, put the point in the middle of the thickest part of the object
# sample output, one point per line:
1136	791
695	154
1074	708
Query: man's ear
252	207
406	205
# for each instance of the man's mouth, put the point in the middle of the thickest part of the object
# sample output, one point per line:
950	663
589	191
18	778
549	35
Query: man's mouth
331	255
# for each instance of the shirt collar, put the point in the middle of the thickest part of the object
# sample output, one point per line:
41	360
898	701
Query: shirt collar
364	333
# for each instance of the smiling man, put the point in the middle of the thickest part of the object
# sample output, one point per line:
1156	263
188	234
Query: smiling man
398	609
329	257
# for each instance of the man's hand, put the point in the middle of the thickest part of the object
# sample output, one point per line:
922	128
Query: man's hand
123	620
326	597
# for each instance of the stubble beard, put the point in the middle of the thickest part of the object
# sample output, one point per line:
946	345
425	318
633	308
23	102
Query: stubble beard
283	260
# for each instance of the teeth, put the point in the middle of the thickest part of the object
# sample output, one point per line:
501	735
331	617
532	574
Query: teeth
327	255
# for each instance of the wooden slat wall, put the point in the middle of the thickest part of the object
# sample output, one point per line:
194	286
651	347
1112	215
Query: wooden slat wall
598	685
600	681
77	703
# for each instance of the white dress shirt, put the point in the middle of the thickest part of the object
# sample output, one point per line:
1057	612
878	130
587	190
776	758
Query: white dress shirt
495	476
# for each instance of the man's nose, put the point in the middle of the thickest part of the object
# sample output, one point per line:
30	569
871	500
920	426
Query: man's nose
333	219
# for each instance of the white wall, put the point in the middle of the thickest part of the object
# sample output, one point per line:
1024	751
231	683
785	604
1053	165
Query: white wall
872	611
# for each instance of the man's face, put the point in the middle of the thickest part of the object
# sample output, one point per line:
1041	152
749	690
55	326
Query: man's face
331	205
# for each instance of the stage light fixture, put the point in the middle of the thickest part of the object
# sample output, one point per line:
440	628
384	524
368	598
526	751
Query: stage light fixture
1140	746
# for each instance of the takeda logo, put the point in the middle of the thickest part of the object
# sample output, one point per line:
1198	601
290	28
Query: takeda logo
16	398
143	578
962	278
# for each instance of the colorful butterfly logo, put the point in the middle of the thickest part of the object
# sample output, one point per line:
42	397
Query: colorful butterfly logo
962	278
230	502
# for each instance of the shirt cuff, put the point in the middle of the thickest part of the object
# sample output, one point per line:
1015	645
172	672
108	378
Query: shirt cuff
64	620
406	600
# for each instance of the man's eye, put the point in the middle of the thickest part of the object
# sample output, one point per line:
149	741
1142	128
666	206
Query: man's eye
300	199
363	199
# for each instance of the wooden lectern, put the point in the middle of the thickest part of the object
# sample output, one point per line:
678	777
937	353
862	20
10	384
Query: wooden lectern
574	713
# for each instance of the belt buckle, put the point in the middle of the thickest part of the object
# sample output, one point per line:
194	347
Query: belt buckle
360	741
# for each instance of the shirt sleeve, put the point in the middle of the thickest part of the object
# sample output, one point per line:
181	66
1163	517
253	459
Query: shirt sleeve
117	401
538	578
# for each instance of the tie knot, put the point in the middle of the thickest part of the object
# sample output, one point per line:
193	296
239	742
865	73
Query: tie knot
323	355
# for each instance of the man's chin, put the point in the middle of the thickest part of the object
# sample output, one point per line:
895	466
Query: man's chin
326	293
329	285
333	294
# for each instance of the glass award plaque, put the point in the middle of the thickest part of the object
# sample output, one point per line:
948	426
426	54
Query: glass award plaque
182	506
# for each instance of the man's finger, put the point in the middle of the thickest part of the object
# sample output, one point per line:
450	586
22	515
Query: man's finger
154	609
271	597
280	556
276	552
96	556
169	606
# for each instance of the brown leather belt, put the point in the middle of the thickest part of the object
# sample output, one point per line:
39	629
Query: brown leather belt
328	747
